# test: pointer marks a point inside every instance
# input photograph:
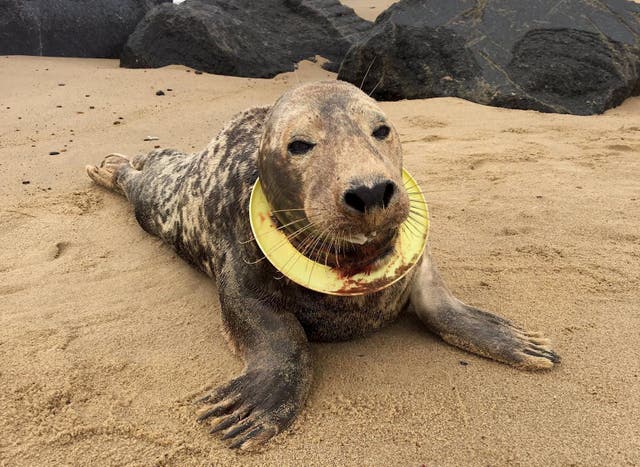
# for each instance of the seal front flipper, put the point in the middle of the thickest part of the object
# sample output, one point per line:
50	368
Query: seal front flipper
265	399
475	330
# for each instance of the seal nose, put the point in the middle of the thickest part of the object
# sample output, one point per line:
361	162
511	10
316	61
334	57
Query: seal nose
364	199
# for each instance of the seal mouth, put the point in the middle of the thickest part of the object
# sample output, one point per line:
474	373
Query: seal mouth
288	238
348	254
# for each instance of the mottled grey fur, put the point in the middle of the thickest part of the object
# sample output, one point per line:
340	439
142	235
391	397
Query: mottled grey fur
198	203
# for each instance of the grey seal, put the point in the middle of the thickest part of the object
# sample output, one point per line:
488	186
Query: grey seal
330	161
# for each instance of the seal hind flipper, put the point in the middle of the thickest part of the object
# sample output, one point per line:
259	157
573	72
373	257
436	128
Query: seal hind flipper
106	174
475	330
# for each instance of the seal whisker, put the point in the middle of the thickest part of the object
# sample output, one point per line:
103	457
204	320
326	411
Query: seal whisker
404	227
336	246
244	242
306	242
416	201
324	242
376	86
414	192
313	263
414	225
417	213
287	210
328	251
413	221
367	72
283	242
410	226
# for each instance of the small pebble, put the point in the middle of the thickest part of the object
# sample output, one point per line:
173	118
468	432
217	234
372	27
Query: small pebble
25	182
151	138
61	84
159	93
59	106
198	72
464	363
157	146
54	153
117	122
91	107
169	89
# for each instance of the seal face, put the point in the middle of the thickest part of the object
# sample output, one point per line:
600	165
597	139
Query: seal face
330	168
317	275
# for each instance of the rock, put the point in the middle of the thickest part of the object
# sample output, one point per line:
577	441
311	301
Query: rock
243	37
160	93
69	28
575	56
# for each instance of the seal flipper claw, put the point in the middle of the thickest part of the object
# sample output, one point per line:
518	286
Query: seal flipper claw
253	438
237	429
265	399
475	330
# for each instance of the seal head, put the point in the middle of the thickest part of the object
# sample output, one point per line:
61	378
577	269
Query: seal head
330	164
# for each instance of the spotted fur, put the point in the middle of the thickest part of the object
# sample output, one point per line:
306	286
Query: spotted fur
199	204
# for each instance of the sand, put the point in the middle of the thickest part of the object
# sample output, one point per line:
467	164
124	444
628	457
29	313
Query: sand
106	337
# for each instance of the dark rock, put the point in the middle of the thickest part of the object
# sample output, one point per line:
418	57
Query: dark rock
69	28
160	93
243	37
54	153
575	56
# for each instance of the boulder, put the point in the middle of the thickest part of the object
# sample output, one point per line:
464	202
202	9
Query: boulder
243	37
574	56
69	28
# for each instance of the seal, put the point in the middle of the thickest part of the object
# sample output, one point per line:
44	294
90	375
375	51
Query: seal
330	165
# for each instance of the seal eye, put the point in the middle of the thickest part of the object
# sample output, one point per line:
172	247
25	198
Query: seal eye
381	132
300	147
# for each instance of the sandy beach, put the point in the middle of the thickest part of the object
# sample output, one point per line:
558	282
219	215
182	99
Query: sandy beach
106	336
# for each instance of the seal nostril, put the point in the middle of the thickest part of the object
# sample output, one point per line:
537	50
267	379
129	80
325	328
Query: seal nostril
363	198
389	191
352	200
